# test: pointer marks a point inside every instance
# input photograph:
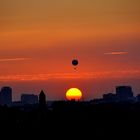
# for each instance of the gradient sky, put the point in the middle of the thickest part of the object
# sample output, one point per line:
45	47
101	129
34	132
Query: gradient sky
39	38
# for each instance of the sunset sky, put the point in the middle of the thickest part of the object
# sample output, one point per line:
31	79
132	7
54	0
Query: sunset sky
39	39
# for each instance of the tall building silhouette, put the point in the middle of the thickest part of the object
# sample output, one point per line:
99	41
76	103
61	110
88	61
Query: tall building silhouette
6	96
138	97
124	92
42	99
29	99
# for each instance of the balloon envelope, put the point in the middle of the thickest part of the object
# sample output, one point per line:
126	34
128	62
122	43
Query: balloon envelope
75	62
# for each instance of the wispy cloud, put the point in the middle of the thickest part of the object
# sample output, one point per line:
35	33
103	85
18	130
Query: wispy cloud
13	59
63	76
116	53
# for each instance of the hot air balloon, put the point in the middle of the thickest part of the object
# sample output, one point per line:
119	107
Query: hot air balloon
75	63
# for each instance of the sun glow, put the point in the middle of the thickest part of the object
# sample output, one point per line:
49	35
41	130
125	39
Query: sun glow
73	94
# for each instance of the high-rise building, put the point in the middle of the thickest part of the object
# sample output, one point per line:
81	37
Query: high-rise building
138	97
42	99
124	92
6	96
29	99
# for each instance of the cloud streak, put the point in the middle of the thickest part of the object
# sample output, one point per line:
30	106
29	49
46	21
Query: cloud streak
116	53
13	59
64	76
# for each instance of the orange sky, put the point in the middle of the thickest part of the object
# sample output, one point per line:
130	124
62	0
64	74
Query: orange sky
39	38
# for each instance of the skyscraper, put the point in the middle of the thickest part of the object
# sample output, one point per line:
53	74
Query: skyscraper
6	96
124	92
42	99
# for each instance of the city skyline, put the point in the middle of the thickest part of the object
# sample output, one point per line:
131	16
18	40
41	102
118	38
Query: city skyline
121	93
39	39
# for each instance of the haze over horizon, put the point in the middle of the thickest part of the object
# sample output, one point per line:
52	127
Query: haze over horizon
39	39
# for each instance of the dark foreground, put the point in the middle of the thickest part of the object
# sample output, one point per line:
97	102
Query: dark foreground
71	119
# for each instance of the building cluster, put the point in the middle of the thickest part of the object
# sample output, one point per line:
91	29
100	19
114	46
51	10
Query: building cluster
26	99
123	93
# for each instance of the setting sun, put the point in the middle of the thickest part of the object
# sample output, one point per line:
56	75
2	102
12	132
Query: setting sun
73	94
